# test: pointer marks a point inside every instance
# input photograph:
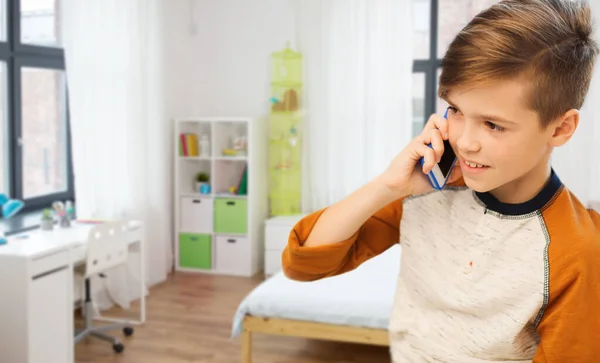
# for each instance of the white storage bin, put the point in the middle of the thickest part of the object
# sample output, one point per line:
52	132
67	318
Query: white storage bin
232	255
196	215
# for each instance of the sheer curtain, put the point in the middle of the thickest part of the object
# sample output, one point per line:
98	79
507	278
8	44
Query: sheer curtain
357	92
120	135
578	162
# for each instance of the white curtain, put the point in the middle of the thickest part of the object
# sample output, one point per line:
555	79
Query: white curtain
120	135
578	162
357	92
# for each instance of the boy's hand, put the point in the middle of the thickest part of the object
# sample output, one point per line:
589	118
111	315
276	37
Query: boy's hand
405	176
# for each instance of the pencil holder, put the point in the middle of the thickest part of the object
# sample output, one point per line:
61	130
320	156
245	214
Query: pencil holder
65	221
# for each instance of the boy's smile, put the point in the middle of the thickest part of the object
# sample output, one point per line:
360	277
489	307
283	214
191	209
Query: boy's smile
471	167
499	141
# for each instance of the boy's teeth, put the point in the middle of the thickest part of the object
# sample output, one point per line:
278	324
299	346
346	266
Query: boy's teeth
473	165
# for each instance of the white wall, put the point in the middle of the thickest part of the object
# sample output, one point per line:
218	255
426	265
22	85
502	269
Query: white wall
218	54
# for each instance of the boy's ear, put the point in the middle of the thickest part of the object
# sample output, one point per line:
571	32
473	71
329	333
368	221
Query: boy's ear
564	127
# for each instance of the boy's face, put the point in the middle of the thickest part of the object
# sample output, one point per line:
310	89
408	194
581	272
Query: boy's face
498	140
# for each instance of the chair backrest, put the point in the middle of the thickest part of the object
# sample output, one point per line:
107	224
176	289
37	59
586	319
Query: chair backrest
107	247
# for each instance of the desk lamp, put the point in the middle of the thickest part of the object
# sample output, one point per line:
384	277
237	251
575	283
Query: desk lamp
10	207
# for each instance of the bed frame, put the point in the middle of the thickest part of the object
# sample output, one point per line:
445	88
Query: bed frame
306	329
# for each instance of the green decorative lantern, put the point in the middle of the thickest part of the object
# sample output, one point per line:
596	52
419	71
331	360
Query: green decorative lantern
285	147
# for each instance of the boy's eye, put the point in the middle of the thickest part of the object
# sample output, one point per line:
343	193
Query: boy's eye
453	110
493	126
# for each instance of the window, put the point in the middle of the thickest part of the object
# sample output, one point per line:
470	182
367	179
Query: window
436	23
39	22
34	134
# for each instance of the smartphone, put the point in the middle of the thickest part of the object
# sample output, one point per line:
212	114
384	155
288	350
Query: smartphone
439	175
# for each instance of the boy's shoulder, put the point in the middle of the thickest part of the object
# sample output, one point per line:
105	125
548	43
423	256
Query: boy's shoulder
564	216
572	269
573	228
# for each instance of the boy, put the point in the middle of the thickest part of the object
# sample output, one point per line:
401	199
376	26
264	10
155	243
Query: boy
504	264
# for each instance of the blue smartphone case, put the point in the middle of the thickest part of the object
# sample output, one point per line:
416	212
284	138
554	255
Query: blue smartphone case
433	180
438	185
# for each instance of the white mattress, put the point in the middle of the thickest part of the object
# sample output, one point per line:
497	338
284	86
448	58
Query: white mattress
362	297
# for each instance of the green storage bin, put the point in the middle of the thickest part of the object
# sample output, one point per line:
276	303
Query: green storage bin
231	215
195	251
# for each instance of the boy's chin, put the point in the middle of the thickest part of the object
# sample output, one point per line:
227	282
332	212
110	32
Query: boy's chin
477	185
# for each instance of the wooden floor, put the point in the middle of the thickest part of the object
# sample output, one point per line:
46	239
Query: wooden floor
189	319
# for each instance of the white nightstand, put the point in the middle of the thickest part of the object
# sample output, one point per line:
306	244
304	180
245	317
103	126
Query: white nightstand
277	231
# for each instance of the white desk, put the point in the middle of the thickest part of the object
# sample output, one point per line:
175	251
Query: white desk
36	292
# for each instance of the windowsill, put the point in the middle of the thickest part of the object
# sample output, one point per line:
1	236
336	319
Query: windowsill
21	222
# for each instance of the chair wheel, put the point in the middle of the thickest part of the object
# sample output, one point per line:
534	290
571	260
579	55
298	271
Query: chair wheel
128	331
118	348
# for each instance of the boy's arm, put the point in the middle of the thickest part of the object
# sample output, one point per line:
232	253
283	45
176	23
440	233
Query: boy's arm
367	222
341	237
570	327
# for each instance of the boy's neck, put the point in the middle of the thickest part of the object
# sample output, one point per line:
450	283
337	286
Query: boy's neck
526	187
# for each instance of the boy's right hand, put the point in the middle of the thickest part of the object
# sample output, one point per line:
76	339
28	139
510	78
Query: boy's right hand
405	176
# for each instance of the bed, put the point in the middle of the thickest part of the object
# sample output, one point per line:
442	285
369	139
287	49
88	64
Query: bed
352	307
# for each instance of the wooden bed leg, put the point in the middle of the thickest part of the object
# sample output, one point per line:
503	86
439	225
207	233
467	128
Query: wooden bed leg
246	346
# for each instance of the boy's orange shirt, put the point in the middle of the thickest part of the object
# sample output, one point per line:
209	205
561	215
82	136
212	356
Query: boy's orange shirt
480	280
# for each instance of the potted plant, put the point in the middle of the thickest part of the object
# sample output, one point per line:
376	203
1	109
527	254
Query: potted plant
47	222
202	183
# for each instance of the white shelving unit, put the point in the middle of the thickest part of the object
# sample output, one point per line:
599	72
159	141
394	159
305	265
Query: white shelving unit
220	231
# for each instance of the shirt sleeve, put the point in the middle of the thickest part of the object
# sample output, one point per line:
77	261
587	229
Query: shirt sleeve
570	327
377	234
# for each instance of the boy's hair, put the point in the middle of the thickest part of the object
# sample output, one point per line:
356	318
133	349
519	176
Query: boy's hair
546	42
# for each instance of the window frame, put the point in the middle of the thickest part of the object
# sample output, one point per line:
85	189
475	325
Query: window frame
430	65
17	55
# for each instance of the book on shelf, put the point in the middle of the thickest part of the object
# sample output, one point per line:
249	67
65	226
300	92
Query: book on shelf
188	144
242	187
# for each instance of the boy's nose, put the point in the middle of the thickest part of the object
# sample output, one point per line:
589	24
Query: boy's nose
467	142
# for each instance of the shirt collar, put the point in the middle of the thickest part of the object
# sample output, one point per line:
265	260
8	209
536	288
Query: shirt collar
544	197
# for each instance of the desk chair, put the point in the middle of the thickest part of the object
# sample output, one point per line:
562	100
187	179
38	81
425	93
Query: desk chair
107	248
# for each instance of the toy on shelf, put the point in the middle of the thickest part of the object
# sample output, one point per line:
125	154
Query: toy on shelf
237	141
229	152
239	145
10	207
